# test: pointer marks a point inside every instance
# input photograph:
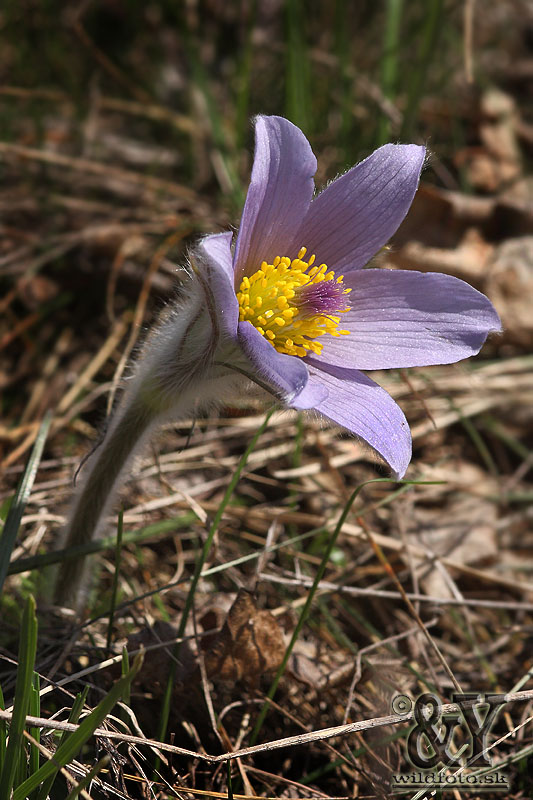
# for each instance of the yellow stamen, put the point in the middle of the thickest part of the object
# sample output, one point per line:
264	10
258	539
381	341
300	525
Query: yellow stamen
269	300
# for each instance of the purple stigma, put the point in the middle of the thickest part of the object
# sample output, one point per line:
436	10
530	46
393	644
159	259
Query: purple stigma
326	297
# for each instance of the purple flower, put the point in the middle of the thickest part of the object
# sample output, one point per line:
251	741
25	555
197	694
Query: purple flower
303	315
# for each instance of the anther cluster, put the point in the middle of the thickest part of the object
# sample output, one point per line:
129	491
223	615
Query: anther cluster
292	303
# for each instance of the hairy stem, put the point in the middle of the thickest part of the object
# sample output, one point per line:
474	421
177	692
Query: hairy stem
174	375
91	504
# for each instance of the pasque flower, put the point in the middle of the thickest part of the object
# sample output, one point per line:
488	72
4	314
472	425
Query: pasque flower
291	308
294	297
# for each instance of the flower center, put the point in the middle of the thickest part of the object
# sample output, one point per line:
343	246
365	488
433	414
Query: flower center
292	303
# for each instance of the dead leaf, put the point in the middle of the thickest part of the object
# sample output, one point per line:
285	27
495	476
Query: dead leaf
497	162
468	261
249	644
511	287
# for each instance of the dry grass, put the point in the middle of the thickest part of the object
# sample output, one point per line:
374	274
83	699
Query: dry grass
429	586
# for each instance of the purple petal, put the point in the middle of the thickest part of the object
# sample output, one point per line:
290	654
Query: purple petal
354	216
311	395
284	376
365	409
409	319
216	276
279	194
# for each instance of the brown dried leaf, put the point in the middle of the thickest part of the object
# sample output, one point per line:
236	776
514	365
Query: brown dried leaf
498	162
511	287
469	260
249	644
498	131
440	218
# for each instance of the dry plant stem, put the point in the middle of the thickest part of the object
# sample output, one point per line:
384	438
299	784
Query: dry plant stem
321	734
468	47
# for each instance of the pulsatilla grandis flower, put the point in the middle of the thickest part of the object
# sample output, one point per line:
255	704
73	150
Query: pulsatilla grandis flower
294	298
291	308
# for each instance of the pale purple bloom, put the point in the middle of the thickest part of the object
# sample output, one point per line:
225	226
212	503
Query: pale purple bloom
395	318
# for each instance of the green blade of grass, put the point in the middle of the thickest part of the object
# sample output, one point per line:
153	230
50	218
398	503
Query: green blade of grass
299	100
498	429
35	733
72	745
273	549
216	521
418	74
150	532
73	717
218	568
23	688
389	62
3	733
200	81
351	611
12	525
478	441
165	711
230	785
118	550
77	708
244	78
343	49
125	666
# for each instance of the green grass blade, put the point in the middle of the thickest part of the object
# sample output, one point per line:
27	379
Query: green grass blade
3	733
155	531
477	440
389	62
23	688
35	711
343	50
200	81
73	717
217	518
71	747
434	10
299	101
11	528
165	711
502	433
306	609
125	669
118	551
230	785
244	79
75	712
